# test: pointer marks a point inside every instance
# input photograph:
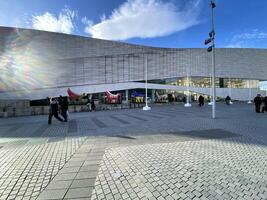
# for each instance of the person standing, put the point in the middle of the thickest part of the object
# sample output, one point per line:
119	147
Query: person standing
201	101
228	100
53	111
257	101
264	107
92	104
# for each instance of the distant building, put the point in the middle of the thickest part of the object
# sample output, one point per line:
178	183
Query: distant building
36	64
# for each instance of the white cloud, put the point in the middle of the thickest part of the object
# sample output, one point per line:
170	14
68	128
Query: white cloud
145	19
254	34
237	44
88	23
247	39
48	22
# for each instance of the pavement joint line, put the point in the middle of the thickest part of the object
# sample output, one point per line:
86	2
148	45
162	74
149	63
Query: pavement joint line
76	173
135	117
120	120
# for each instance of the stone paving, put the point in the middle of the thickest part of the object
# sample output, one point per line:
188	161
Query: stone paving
27	166
206	169
170	152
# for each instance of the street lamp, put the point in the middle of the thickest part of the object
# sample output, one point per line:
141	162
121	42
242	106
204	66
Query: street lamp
146	107
212	49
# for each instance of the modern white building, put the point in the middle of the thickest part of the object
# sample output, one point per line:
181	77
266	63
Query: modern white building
36	64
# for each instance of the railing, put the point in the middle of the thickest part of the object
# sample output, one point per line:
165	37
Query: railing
44	110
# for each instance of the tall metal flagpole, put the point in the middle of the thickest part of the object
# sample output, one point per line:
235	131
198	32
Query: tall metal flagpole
230	90
210	103
146	107
249	93
213	61
188	92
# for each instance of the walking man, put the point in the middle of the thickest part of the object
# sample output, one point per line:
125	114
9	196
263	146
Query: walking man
53	111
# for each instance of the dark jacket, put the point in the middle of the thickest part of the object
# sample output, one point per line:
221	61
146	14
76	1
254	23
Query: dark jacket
54	107
265	101
227	98
201	98
65	104
257	100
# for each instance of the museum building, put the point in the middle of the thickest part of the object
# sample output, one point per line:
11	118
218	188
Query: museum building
36	64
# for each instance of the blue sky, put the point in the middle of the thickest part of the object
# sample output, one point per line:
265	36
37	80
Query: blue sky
162	23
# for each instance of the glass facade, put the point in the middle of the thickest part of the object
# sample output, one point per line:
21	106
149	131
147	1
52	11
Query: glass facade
205	82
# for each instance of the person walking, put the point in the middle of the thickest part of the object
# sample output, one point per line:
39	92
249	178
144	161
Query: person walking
257	101
264	107
53	111
64	108
201	101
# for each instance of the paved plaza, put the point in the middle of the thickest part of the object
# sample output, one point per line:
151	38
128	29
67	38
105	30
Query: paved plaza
170	152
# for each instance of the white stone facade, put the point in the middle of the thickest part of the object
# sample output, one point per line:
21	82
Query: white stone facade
37	64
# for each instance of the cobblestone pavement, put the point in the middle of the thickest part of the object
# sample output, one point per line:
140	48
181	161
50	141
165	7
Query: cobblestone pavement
170	152
206	169
27	166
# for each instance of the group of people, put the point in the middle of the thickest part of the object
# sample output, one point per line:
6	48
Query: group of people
260	104
60	106
57	107
201	100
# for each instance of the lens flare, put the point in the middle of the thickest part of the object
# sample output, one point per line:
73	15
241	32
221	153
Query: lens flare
24	62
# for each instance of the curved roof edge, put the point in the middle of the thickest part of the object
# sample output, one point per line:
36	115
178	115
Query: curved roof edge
119	42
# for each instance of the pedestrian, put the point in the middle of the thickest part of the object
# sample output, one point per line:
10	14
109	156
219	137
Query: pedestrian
228	100
257	101
53	111
201	101
92	104
184	99
64	108
264	107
